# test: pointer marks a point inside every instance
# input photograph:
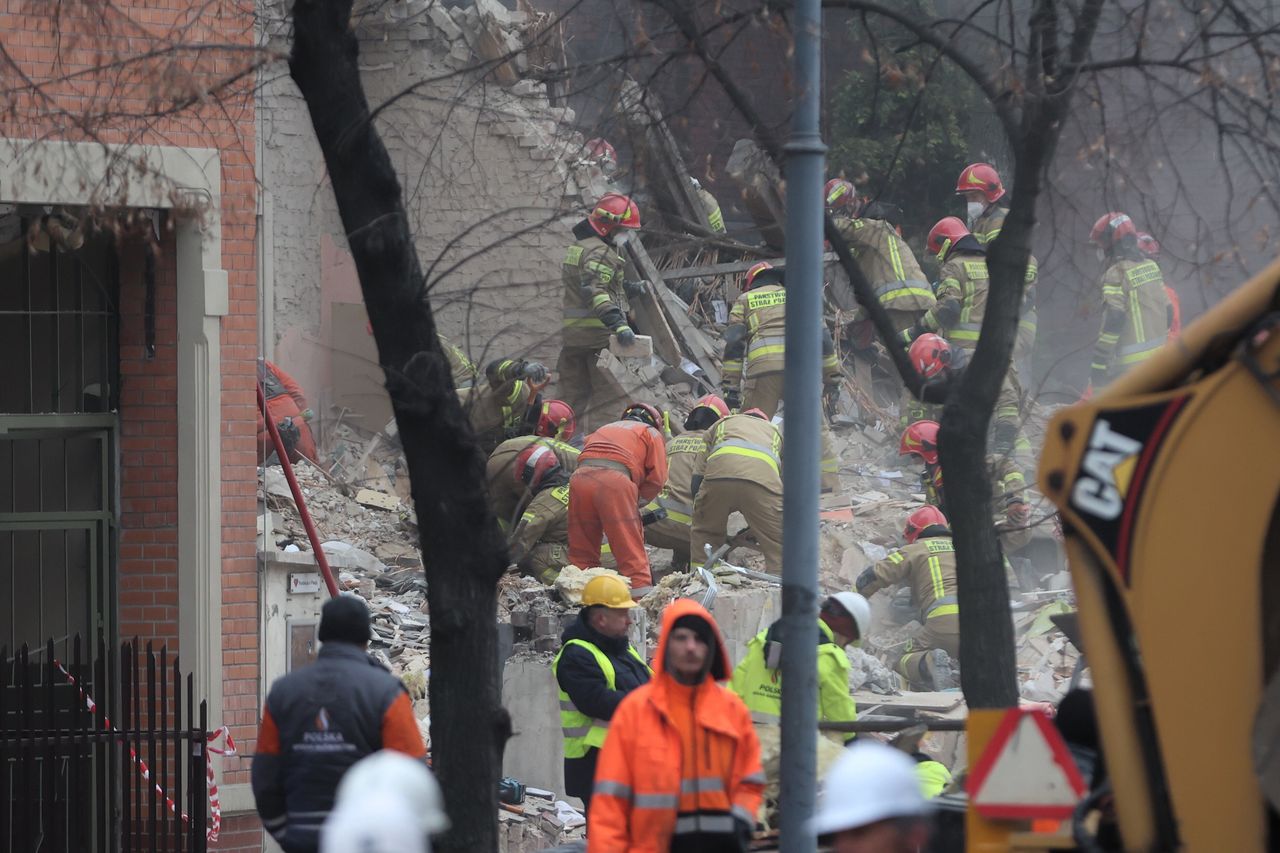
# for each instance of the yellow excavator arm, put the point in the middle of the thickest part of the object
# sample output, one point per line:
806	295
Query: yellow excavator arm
1167	484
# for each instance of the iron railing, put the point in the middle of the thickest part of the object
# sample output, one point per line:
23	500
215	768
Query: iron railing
86	746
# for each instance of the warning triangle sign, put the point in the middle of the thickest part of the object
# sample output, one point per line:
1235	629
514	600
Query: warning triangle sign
1026	771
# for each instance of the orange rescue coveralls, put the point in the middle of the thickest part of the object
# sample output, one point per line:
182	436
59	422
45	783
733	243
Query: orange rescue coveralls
678	760
623	465
284	400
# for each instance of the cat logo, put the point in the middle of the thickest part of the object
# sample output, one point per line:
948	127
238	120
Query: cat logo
1107	472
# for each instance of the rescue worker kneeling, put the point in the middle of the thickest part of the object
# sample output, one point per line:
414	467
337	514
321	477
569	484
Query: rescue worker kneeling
844	618
680	769
596	668
928	565
539	545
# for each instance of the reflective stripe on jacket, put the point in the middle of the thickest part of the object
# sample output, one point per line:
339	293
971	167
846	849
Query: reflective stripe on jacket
742	447
665	770
1135	320
676	496
888	263
580	731
760	685
595	304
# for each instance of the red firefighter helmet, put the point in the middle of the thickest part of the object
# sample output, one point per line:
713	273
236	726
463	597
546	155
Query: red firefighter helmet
556	421
1111	228
930	354
921	439
1148	245
840	195
771	275
714	403
983	178
945	234
602	153
613	211
644	413
756	413
924	517
534	464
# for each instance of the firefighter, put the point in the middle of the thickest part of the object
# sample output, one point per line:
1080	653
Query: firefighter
599	153
928	566
1135	315
844	618
539	544
460	365
979	184
623	465
595	669
288	408
962	303
556	429
680	768
595	304
883	256
756	331
1150	248
508	403
1009	506
676	497
739	470
711	208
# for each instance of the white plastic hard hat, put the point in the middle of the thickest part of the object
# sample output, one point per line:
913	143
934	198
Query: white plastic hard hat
869	783
373	824
390	775
859	608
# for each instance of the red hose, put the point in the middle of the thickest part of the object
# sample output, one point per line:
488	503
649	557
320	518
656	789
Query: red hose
297	496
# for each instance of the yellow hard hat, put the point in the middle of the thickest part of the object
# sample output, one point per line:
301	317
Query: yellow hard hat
607	591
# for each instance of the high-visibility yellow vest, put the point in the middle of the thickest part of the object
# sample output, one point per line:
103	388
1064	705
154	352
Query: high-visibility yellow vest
934	777
580	731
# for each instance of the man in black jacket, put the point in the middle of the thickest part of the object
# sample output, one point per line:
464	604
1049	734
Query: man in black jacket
320	720
595	668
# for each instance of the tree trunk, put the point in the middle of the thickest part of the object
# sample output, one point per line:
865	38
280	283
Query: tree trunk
463	550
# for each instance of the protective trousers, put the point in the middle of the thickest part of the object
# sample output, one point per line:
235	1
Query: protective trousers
762	509
764	392
546	560
593	394
604	501
671	534
940	632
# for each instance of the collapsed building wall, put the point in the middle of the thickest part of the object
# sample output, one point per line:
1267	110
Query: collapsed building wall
490	185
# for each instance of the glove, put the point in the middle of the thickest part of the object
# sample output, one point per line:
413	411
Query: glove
733	399
308	414
652	516
626	337
1017	512
534	371
289	435
635	288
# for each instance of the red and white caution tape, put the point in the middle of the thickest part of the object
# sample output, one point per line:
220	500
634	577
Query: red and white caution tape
215	807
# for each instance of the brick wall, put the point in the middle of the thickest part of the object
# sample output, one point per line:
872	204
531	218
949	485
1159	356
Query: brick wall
77	103
148	555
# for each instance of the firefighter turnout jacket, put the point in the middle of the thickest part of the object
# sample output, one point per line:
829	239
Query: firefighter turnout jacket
595	303
986	228
928	565
504	491
755	342
888	263
1135	317
962	297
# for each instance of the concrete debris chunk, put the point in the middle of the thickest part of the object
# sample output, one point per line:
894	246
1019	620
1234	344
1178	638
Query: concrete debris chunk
572	580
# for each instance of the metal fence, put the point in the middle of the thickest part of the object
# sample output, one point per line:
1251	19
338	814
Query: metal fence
86	745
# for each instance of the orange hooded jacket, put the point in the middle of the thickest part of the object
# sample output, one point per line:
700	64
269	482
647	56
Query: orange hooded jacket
644	792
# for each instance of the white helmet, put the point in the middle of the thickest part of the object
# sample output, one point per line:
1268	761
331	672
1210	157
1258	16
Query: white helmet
869	783
373	824
393	775
857	606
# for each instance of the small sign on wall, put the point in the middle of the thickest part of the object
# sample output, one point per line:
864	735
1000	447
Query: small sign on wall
304	583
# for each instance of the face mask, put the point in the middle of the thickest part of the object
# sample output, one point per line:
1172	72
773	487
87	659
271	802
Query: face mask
1102	254
974	209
